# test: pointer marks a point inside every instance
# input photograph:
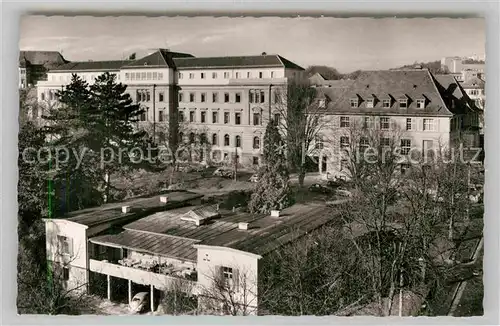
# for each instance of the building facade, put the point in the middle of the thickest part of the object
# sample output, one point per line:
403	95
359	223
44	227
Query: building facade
223	101
33	66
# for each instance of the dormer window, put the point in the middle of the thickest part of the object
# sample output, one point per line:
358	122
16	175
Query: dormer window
386	103
403	103
421	103
322	103
370	102
354	102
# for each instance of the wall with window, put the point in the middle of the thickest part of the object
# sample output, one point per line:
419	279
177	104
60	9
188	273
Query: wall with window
239	268
191	77
66	245
145	76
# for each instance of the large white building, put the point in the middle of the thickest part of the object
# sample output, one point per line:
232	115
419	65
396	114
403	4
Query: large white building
226	101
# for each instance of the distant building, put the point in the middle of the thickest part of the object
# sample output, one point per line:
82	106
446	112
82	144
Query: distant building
430	112
33	66
118	250
464	68
225	101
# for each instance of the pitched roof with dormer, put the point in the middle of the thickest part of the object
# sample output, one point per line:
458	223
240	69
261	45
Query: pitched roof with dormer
412	85
257	61
160	58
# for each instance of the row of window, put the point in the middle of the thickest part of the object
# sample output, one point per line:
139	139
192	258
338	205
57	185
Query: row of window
405	145
144	95
255	96
144	75
256	117
215	140
385	123
225	74
386	103
85	77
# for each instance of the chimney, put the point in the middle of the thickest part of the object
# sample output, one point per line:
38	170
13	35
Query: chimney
275	213
125	209
243	226
264	53
164	199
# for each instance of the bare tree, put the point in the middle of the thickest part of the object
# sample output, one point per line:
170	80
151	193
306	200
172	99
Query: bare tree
300	112
178	297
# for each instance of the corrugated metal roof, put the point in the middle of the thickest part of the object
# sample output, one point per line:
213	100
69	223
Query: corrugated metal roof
151	243
110	212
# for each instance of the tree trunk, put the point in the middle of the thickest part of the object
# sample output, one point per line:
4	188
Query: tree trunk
302	176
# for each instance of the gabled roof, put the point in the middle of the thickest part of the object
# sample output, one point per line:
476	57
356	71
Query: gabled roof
91	66
416	84
159	58
50	58
257	61
474	82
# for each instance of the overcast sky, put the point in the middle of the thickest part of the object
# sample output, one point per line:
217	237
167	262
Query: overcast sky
344	43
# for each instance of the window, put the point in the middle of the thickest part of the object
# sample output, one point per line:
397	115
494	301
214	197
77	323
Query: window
181	75
143	76
318	142
344	141
161	116
191	116
255	160
148	96
260	74
409	125
344	122
181	97
404	167
149	75
403	103
238	141
42	96
256	119
249	74
276	119
384	123
160	75
344	164
191	97
237	98
385	142
252	97
203	138
65	245
181	116
405	146
386	103
227	273
429	125
420	103
127	76
226	75
354	103
161	97
237	118
367	122
226	140
214	75
143	116
65	273
191	75
203	97
272	74
237	75
262	97
226	117
215	97
226	97
215	117
215	139
155	75
192	137
202	75
369	103
203	116
474	92
363	144
256	142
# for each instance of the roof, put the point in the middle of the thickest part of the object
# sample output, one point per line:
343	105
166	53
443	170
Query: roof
257	61
48	58
152	243
474	82
113	212
159	58
413	83
112	65
264	235
451	90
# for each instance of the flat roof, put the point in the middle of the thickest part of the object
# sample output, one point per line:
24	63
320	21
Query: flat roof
113	211
264	234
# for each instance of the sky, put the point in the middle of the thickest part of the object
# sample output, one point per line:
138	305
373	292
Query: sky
346	44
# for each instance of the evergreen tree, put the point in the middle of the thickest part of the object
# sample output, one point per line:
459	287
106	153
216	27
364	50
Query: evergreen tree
273	190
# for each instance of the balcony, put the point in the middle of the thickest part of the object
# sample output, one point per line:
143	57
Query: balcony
140	275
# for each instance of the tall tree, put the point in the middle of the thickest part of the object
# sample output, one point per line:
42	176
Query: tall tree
273	190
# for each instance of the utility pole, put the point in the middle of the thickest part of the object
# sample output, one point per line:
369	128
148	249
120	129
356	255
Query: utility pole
154	114
235	161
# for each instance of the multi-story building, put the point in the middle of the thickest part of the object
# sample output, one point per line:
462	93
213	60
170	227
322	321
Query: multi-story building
118	250
427	112
33	66
226	101
464	68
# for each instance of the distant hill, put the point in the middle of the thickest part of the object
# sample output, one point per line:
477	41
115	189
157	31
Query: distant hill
433	66
330	73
